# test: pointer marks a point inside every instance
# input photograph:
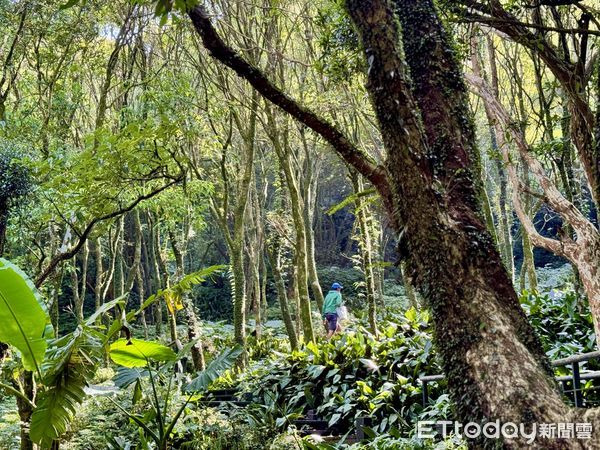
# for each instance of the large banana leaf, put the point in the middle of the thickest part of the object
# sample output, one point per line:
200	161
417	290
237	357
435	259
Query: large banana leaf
137	353
23	317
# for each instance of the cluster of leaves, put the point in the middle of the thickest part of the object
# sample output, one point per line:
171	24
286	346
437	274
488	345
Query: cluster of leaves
562	320
341	58
354	375
62	365
146	366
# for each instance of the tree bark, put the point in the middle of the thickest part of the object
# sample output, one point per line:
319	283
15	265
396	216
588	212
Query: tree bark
3	226
25	410
77	303
274	252
361	212
474	305
84	270
100	275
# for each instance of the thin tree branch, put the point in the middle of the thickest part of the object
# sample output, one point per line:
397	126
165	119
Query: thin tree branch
88	230
375	173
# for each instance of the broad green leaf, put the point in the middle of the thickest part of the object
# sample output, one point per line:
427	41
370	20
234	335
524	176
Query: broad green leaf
55	408
22	315
137	353
334	419
104	309
137	392
126	376
411	314
214	370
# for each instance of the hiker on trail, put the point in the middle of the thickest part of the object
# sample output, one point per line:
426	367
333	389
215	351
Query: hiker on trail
333	300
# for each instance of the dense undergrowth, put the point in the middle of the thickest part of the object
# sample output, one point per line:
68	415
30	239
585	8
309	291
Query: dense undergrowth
355	375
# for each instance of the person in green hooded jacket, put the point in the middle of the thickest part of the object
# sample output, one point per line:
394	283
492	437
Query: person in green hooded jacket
332	301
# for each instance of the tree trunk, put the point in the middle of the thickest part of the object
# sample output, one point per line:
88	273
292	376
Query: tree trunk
474	305
24	409
77	303
155	268
274	253
194	334
408	287
55	307
307	216
119	278
135	273
3	226
172	313
236	256
361	211
99	275
84	269
528	267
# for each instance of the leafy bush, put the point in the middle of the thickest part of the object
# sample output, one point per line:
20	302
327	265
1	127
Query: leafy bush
355	374
562	320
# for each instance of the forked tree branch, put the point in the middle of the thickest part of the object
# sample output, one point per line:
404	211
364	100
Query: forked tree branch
90	227
358	159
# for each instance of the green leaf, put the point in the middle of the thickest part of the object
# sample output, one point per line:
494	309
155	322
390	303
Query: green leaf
214	370
411	315
22	315
126	376
55	408
137	392
334	419
104	309
137	353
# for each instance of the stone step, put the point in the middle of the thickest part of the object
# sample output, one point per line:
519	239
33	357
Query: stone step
217	403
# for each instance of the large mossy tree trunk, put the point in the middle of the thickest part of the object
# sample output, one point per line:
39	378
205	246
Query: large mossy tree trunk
480	327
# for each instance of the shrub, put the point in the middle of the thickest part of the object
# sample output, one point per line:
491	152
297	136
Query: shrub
355	374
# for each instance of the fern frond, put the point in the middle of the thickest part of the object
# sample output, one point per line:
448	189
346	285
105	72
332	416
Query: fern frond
70	362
